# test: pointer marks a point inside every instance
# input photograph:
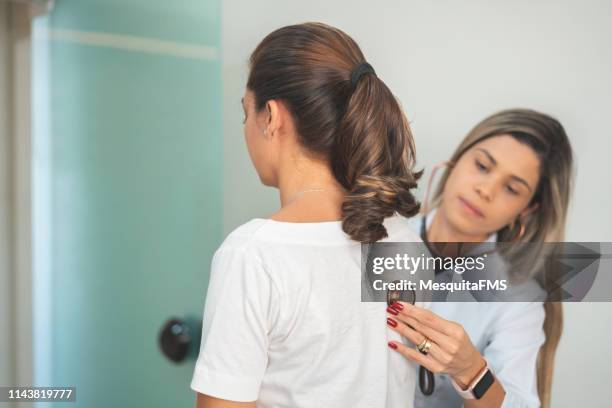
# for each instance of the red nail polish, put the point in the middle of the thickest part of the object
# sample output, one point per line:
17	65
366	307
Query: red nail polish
397	305
392	311
391	322
393	345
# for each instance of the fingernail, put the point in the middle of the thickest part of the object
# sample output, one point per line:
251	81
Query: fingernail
397	305
391	322
393	345
392	311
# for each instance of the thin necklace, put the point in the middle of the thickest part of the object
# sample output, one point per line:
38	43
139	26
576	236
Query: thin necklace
312	190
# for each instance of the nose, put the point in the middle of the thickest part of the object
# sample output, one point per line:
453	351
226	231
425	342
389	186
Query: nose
485	190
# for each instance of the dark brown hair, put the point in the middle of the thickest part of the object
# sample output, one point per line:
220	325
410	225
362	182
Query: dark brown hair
360	130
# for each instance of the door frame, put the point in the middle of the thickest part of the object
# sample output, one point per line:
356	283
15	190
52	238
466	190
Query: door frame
18	180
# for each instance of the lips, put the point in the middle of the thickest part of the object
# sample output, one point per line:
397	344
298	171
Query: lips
471	208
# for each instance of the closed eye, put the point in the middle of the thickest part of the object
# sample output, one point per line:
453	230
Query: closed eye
481	166
511	190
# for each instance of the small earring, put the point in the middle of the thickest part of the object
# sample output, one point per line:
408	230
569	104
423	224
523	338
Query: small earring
265	132
521	230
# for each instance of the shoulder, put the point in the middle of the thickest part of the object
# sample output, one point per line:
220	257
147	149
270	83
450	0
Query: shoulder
240	249
239	262
243	235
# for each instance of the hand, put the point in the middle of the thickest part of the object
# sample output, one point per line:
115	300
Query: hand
452	351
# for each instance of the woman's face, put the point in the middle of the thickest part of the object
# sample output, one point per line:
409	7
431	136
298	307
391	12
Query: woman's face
259	145
490	185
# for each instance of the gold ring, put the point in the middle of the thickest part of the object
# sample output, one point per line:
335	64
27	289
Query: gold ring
424	346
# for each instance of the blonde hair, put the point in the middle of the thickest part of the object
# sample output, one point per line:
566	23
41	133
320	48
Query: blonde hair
549	141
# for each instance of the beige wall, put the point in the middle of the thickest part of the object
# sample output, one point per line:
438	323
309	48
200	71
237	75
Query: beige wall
6	326
15	187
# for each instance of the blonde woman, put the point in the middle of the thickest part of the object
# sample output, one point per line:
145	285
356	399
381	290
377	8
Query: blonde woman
508	181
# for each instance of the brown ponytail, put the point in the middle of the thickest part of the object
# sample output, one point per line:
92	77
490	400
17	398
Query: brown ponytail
373	158
360	128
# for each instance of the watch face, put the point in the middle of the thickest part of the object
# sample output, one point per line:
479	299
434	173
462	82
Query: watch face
483	385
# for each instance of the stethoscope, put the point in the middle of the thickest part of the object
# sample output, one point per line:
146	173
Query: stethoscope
427	381
426	377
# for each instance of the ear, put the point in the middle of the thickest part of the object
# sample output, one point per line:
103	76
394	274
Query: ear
529	210
275	116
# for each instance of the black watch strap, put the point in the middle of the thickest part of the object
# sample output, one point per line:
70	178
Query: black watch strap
479	389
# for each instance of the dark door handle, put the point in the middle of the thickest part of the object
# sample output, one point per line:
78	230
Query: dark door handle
179	339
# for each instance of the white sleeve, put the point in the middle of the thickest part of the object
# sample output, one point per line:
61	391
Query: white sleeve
237	319
513	350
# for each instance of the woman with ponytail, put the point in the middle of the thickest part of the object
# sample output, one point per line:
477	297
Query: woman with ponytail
283	321
509	181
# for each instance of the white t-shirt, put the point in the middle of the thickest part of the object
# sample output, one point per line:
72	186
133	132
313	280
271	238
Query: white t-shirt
284	323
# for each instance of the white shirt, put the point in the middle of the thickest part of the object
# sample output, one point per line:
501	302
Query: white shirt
508	335
284	323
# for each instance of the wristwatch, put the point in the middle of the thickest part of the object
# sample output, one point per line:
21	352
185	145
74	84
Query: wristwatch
479	385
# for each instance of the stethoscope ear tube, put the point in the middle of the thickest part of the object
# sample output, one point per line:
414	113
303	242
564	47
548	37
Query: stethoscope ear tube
426	381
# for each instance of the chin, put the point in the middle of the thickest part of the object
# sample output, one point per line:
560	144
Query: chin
267	181
462	223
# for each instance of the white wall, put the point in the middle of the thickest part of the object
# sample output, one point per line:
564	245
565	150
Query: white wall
452	63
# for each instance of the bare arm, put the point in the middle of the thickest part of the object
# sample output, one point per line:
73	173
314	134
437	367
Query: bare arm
206	401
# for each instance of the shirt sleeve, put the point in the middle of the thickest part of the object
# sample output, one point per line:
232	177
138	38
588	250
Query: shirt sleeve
237	320
513	351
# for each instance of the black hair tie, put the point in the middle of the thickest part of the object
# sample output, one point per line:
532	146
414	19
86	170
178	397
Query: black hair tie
361	69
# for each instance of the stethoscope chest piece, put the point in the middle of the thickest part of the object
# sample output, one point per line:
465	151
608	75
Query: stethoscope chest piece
408	296
426	377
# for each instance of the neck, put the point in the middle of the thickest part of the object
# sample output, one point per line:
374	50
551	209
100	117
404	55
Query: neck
299	203
441	230
307	175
